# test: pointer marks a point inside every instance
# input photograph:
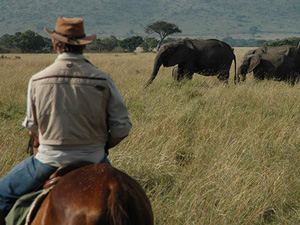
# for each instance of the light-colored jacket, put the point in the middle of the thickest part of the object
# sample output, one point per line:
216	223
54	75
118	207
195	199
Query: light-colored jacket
70	101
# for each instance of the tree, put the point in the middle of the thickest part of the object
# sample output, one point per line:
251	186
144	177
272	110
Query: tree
94	46
109	44
103	45
294	41
131	43
149	44
6	41
163	29
29	41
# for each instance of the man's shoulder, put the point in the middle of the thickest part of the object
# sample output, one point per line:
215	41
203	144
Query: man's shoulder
48	70
95	71
73	69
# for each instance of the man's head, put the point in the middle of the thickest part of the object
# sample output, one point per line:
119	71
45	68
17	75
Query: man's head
69	35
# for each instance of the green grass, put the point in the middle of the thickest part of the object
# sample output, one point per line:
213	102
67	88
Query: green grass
206	153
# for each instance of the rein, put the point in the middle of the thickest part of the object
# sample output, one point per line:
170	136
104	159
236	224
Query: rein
33	145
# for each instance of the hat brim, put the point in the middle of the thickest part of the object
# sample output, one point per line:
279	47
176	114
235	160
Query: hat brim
82	41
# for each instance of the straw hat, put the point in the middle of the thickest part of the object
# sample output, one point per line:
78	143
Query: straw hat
70	31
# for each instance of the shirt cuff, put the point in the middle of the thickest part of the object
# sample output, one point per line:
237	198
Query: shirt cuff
30	125
120	129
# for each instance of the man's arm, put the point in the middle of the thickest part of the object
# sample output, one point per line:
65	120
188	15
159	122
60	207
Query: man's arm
118	120
29	121
113	141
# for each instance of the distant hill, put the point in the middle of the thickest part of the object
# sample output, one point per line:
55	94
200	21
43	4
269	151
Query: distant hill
260	19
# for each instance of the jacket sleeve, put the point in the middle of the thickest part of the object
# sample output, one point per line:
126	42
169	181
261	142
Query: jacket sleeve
29	122
117	114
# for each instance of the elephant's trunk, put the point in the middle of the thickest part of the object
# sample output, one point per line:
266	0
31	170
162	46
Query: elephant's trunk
157	65
243	69
241	77
241	73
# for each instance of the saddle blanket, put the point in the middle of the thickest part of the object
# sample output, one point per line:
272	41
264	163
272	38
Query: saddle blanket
25	208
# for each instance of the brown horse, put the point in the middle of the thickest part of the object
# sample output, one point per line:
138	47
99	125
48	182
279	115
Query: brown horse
95	194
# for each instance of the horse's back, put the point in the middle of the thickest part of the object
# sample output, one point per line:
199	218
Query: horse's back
96	194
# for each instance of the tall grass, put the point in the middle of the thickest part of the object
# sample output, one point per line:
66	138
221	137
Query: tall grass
206	153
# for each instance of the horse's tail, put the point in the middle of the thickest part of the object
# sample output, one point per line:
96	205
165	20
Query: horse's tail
127	202
116	204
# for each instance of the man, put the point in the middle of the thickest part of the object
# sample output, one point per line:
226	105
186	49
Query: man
73	108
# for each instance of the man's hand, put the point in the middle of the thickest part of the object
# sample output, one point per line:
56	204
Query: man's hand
113	141
35	141
32	134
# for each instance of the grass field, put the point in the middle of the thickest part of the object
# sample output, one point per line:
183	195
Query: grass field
206	153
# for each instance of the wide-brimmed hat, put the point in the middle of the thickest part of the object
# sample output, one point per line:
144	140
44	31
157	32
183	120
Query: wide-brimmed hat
70	31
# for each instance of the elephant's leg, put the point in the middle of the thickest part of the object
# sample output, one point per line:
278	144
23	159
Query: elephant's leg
189	75
258	75
177	73
297	77
182	71
292	79
188	69
224	76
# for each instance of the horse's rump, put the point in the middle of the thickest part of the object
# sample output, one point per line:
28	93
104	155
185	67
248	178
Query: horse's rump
95	194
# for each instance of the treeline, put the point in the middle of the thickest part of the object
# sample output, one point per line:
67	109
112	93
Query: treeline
27	42
244	42
289	41
258	43
31	42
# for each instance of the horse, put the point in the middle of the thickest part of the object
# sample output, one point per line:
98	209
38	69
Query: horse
95	194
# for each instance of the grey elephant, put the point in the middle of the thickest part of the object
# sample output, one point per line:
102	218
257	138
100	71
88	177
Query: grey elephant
290	51
269	66
207	57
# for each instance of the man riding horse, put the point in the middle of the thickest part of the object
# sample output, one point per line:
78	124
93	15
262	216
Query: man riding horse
73	109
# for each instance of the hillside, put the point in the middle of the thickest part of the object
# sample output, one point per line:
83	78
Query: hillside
196	18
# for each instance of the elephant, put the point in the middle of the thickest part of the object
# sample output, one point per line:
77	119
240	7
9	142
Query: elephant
290	51
207	57
268	66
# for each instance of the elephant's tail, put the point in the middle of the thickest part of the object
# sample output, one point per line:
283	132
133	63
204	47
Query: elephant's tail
235	75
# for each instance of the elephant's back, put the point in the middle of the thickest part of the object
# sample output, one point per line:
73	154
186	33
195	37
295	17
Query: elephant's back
275	58
214	48
217	43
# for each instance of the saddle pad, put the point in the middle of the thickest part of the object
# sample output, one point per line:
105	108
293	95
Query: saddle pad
25	207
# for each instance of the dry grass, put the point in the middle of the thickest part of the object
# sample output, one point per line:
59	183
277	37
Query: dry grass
205	153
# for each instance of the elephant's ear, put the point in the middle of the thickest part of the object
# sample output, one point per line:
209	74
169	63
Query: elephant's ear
189	43
254	61
290	51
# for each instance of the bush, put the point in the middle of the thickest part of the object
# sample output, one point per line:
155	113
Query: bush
289	41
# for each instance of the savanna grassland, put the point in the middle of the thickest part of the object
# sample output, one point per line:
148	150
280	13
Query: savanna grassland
206	153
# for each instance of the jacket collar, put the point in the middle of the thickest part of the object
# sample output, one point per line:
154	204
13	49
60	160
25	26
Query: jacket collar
72	56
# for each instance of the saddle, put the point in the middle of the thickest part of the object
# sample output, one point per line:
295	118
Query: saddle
61	171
